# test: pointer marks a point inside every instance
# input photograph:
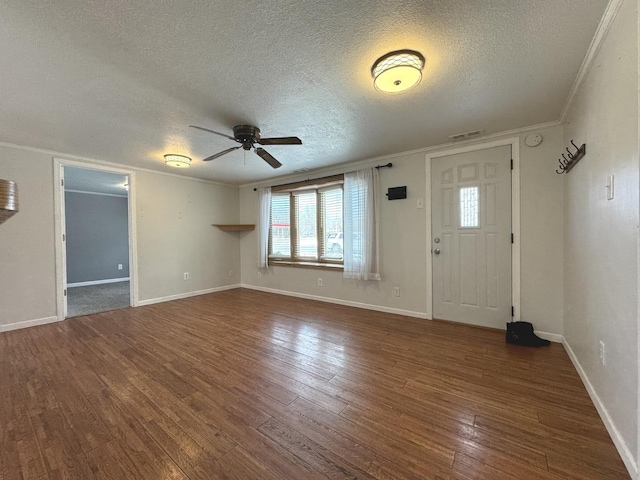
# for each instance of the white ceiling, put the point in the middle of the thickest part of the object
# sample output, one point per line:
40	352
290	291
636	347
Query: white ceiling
121	80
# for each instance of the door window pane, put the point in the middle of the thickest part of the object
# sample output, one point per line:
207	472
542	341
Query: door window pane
469	211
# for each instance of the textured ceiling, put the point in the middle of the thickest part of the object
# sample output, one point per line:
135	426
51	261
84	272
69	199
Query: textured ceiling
121	80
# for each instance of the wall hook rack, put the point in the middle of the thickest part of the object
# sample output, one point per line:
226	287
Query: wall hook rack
566	164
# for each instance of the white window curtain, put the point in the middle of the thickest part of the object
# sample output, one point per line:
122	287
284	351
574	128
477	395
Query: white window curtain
361	224
264	220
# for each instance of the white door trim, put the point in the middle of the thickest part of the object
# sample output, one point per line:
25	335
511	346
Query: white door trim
515	216
59	228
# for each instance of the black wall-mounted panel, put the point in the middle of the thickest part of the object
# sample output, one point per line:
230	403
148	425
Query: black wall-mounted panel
397	193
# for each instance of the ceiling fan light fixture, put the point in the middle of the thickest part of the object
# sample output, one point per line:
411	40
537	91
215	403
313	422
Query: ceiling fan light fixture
247	136
397	71
177	161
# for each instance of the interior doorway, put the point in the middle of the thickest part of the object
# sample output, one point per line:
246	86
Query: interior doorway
94	239
473	234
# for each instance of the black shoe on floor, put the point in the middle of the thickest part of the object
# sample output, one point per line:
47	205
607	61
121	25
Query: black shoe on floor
521	333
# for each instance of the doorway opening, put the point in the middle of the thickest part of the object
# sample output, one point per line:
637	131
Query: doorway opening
94	239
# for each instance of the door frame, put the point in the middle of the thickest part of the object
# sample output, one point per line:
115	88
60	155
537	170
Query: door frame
60	222
514	142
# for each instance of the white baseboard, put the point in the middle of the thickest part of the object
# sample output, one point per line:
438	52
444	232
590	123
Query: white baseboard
552	337
28	323
98	282
347	303
618	441
44	321
179	296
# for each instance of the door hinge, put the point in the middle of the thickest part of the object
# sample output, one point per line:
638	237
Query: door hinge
64	237
512	164
513	311
62	182
65	292
512	238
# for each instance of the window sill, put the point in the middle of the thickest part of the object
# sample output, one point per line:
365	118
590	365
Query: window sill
315	265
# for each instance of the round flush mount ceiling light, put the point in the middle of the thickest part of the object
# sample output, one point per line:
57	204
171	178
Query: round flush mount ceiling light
178	161
397	71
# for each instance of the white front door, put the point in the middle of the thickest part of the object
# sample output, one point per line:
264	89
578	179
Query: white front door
471	236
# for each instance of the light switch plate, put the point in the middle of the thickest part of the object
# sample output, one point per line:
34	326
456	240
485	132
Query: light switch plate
610	187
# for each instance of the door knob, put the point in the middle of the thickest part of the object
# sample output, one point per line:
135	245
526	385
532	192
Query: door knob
436	251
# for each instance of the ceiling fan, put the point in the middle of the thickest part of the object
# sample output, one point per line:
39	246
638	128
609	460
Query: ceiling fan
248	135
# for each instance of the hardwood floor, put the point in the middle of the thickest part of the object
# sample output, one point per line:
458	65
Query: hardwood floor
249	385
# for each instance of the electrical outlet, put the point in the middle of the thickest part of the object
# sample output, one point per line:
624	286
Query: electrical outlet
601	353
420	203
186	275
231	273
119	266
319	282
396	291
259	274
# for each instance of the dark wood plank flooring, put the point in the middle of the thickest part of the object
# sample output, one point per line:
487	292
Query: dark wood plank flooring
249	385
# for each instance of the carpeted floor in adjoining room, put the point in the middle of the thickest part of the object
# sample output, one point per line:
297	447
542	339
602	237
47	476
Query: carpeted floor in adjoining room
97	298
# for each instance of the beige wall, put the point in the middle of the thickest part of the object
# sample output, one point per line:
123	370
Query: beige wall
27	252
601	236
175	235
402	249
404	243
174	232
541	215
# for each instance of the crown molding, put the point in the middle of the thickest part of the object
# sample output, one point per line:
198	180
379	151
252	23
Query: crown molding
344	167
87	162
608	17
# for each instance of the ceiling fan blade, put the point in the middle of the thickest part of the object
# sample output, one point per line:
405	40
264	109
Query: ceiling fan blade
219	154
213	131
280	141
267	157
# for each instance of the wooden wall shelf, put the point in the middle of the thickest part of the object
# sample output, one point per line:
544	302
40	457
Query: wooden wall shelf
235	227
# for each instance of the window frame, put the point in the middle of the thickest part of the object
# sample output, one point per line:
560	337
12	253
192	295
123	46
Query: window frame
317	186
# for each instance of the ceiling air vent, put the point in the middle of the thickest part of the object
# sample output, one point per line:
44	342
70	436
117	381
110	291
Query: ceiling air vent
302	170
467	135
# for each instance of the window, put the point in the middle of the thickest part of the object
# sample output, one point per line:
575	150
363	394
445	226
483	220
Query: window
331	208
306	222
280	231
469	207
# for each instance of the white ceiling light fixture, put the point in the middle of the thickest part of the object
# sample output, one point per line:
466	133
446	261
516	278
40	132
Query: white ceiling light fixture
397	71
177	161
